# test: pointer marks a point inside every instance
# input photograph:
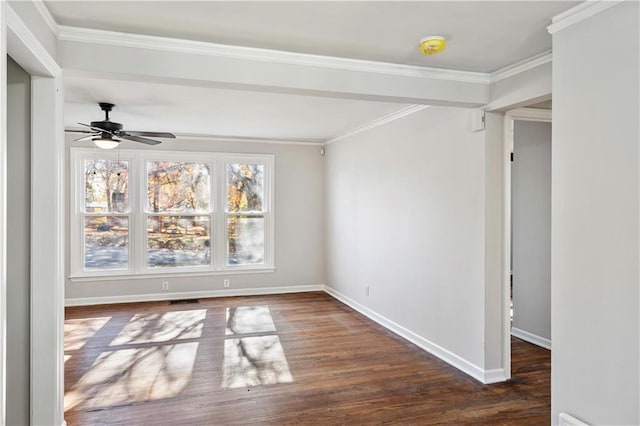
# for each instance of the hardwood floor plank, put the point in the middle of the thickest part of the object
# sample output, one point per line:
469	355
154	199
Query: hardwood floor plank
160	364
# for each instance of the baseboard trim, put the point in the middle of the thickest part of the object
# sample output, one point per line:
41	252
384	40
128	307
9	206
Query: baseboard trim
155	297
531	338
483	376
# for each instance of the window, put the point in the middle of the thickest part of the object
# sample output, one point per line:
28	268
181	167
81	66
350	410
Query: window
153	212
105	215
177	214
245	214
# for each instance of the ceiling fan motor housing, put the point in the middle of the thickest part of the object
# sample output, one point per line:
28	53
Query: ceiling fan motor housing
110	126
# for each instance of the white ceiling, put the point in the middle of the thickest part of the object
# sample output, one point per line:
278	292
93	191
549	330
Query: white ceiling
482	37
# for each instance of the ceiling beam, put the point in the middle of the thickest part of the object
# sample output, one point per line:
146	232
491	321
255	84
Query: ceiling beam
143	58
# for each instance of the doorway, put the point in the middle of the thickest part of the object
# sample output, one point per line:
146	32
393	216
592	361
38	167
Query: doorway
531	231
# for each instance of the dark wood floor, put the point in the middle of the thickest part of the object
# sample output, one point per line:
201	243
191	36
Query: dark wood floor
287	359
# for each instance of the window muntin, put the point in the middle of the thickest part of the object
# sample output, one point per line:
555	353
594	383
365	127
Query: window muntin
155	212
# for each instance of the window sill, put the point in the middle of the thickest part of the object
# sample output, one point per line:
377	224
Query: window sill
124	276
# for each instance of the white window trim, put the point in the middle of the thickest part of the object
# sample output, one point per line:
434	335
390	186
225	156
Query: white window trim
138	213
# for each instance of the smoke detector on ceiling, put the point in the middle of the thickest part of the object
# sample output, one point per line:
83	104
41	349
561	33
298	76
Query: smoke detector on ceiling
432	45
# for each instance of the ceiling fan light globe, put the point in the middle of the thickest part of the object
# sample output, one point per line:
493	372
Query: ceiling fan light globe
106	143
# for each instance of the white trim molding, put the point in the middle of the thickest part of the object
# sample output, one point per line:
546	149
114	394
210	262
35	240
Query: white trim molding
530	114
26	48
377	122
579	13
47	217
531	338
155	297
483	376
43	10
565	419
520	67
250	139
112	38
3	211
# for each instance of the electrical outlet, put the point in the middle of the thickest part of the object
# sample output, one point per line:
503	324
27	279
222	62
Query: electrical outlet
165	285
368	290
225	283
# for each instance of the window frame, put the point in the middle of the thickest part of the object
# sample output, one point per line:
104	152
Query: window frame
139	213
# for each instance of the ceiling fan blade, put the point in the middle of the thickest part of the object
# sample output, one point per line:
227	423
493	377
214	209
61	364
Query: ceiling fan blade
98	129
86	138
153	134
139	139
78	131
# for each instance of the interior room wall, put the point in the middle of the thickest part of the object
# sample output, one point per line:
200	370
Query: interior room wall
18	243
299	237
531	230
405	224
595	365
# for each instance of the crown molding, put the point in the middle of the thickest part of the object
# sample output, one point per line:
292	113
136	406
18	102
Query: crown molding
111	38
579	13
250	139
520	67
377	122
43	10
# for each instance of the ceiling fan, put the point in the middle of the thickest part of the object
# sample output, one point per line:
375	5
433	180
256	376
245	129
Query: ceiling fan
107	134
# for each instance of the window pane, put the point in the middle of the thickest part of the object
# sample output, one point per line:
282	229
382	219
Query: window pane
106	184
177	187
178	241
245	240
245	187
106	242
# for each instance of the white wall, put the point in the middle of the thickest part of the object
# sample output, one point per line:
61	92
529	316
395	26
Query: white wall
18	236
405	207
299	237
531	229
595	214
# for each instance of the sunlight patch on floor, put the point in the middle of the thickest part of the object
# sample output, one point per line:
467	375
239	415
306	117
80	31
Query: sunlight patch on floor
249	319
254	361
157	328
126	376
78	331
251	360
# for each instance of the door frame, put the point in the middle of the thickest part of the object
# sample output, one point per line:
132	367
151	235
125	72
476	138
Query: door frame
47	220
518	114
